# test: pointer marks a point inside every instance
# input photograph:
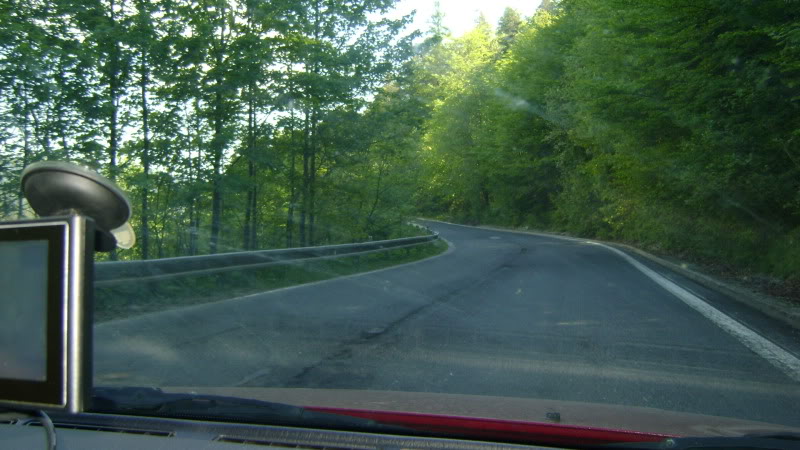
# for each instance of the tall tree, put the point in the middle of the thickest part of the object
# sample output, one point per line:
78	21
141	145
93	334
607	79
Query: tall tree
508	27
343	55
143	38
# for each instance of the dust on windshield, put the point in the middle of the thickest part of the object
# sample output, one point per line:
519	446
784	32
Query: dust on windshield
671	126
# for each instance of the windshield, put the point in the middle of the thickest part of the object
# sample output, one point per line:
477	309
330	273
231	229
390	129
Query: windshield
575	212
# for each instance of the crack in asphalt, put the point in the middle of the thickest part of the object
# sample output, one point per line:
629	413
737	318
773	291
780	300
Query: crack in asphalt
369	336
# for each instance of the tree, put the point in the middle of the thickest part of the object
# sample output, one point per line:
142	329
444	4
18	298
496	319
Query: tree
343	55
143	37
463	72
671	124
508	27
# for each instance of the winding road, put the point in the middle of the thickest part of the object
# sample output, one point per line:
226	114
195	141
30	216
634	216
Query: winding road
499	314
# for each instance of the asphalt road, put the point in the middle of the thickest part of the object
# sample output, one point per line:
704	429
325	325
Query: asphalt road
500	314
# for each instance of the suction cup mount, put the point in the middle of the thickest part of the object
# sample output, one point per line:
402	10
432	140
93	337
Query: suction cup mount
58	188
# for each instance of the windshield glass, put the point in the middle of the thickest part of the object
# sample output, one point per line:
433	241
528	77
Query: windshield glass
576	212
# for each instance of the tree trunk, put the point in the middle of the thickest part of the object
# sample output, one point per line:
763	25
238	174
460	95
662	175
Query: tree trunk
312	173
254	214
218	143
248	154
26	155
312	178
62	125
192	244
114	138
371	216
113	98
40	133
145	159
292	186
194	176
249	229
304	189
216	195
246	225
64	145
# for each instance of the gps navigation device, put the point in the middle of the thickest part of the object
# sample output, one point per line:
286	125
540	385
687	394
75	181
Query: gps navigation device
45	299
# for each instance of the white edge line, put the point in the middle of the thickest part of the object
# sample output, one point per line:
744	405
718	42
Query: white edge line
774	354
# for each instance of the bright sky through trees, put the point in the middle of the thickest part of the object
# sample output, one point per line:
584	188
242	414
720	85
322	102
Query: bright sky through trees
460	15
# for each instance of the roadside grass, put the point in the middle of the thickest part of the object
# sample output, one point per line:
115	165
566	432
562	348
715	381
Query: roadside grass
139	297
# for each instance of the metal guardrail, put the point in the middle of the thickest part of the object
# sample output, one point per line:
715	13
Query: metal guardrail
110	273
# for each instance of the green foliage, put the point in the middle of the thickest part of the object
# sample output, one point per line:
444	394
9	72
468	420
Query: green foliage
668	123
240	125
229	123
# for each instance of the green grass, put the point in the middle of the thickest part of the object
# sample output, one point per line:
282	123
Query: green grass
135	298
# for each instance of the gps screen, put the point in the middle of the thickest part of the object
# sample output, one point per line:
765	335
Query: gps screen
23	310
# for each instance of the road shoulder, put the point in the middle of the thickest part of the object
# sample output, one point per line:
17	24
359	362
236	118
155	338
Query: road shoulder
776	308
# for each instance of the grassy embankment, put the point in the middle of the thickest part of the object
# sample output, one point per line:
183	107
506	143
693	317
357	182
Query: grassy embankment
135	298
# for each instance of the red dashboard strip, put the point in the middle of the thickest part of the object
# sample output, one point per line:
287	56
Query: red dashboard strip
501	430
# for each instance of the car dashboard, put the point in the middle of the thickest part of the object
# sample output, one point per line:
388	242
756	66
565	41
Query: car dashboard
105	431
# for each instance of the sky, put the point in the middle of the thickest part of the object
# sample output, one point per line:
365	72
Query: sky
460	15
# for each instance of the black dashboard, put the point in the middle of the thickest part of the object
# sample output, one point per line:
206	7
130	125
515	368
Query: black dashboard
101	431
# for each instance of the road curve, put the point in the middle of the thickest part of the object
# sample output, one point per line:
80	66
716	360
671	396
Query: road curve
500	314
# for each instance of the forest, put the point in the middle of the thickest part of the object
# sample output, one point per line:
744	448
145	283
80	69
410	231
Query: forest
670	124
231	124
245	124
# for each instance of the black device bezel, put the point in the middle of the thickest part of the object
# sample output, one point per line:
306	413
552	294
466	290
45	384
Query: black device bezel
52	392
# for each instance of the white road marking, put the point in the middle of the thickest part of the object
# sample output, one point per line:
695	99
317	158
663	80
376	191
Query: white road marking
775	355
